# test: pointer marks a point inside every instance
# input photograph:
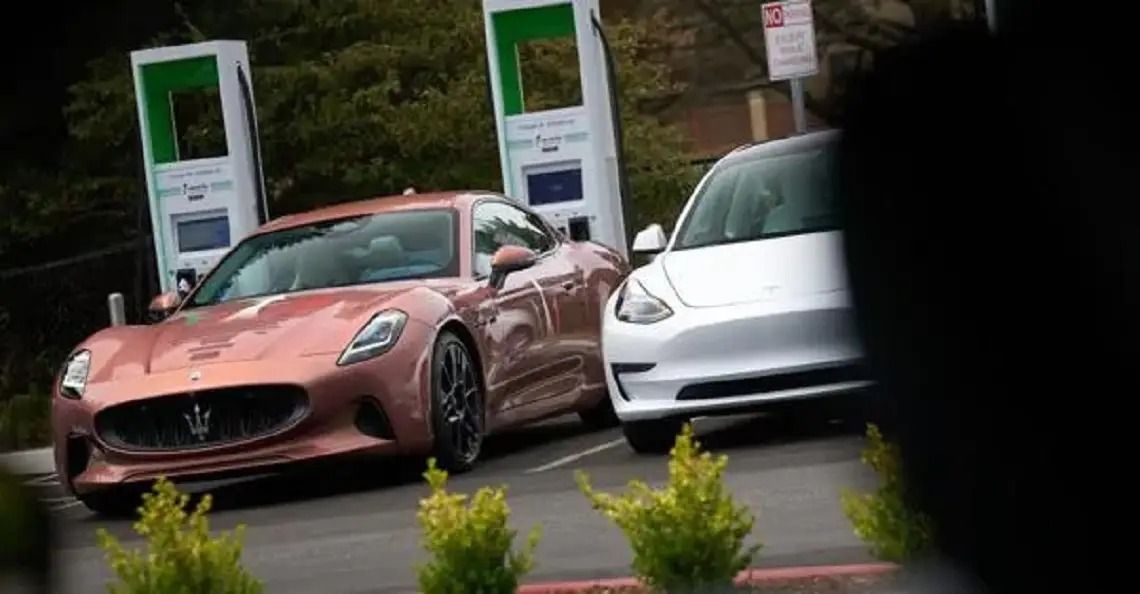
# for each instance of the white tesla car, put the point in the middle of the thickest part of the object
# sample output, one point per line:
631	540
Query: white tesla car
745	304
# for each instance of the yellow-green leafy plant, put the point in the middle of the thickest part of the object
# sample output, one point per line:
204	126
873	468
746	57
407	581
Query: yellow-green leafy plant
470	543
180	556
688	536
884	519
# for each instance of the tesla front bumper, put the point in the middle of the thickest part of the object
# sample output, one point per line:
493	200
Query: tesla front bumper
338	417
703	361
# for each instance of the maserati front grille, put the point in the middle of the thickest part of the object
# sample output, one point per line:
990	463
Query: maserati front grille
201	419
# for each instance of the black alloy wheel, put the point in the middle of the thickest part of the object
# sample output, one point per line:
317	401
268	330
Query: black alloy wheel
458	413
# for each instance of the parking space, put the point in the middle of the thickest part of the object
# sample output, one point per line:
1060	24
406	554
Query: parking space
353	528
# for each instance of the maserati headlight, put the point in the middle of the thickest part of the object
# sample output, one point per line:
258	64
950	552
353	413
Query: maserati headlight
75	372
636	305
375	338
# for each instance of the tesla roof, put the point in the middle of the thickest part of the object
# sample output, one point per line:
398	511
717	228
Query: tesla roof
782	146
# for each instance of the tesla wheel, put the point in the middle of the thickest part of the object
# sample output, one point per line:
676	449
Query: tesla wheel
601	415
457	414
652	437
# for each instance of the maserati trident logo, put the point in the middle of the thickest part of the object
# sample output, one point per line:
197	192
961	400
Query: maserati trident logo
199	422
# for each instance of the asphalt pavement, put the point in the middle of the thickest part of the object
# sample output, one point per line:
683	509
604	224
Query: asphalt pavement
353	528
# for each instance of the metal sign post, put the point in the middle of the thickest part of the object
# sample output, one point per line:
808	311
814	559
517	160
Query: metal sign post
789	38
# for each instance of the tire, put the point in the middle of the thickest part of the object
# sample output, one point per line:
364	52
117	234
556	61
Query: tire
457	406
601	415
652	437
118	502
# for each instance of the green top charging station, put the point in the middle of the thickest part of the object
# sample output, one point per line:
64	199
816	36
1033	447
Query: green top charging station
202	200
562	162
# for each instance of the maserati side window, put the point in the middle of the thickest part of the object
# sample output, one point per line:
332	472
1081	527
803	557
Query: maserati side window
498	224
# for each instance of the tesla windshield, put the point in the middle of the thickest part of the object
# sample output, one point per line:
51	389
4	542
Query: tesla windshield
762	198
360	250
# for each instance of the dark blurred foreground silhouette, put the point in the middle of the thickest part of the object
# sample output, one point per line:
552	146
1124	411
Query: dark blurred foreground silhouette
992	244
25	543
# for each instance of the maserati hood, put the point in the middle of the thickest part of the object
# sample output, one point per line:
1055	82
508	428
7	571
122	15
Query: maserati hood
310	323
763	270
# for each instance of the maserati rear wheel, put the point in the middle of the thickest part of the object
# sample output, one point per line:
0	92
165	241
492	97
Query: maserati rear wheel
457	411
652	437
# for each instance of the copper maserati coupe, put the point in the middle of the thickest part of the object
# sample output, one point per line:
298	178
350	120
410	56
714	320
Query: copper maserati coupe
408	325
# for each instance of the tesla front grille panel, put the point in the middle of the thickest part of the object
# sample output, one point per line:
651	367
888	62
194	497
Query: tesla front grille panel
201	419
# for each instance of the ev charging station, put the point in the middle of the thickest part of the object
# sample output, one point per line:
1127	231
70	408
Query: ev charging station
200	205
562	162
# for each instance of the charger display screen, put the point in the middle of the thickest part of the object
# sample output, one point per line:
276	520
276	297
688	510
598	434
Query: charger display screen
199	235
554	187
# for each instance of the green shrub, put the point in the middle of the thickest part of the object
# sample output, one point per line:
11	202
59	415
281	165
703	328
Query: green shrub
883	519
688	536
181	556
25	421
470	544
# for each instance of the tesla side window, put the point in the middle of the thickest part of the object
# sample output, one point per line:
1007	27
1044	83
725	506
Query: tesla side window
360	250
762	198
498	224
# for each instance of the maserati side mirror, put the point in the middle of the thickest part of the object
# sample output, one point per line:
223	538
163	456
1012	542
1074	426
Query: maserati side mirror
162	306
509	258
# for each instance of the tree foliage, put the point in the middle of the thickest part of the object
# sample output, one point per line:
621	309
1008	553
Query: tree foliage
366	97
354	98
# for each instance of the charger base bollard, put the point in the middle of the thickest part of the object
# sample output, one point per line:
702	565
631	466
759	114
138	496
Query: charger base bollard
117	309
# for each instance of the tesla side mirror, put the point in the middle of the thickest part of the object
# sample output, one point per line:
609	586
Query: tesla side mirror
650	240
162	306
509	258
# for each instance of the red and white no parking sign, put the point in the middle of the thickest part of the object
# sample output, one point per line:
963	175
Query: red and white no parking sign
789	36
774	15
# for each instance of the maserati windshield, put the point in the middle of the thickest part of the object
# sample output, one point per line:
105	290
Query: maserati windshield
762	198
361	250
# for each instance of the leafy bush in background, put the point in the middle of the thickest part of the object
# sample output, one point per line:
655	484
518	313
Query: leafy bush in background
883	519
688	536
470	544
181	556
25	420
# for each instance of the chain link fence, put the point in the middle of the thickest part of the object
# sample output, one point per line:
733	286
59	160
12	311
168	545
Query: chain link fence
46	309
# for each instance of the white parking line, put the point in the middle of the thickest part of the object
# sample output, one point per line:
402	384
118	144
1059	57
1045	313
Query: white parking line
578	456
63	506
43	481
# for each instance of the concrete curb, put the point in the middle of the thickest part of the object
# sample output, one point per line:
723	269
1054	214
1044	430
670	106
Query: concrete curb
28	462
749	576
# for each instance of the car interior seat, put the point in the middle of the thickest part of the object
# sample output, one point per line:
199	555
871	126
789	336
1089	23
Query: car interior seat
318	266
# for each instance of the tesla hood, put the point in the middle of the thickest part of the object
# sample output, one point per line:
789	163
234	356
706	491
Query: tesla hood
763	270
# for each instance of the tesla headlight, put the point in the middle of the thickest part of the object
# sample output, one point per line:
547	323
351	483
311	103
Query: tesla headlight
375	338
636	305
75	372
